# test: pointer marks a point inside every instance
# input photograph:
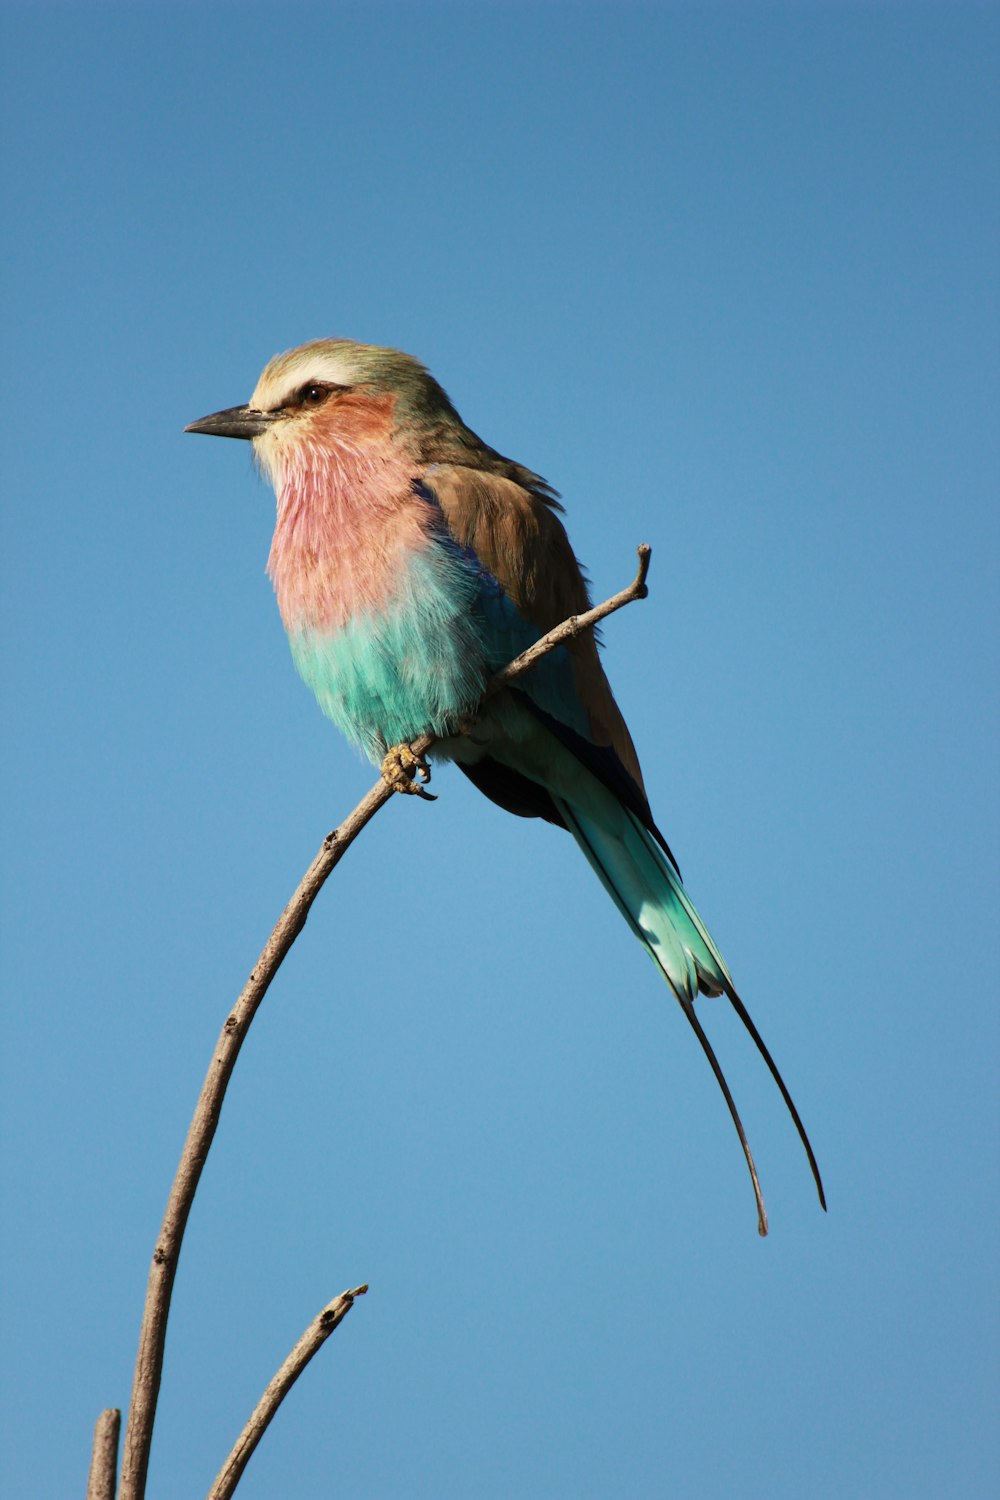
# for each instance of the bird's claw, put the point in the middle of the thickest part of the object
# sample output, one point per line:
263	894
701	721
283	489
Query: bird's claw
403	771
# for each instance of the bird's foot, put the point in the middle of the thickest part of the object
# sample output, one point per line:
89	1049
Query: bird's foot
403	771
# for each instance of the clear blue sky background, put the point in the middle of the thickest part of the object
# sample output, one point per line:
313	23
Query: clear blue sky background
728	278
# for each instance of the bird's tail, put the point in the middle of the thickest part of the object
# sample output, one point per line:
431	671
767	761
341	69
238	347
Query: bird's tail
651	897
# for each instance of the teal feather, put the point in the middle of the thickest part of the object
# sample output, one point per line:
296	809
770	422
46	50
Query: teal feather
419	664
650	896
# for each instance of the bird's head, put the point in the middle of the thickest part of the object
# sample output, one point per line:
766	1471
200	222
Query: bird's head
333	395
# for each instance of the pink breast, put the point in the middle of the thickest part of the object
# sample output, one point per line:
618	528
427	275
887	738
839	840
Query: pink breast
347	518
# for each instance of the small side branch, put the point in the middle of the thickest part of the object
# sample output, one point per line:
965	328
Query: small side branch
159	1288
574	626
104	1456
319	1330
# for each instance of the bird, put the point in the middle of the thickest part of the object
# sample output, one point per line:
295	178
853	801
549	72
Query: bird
411	561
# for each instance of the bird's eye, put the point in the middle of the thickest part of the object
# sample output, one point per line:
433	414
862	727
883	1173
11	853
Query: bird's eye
313	395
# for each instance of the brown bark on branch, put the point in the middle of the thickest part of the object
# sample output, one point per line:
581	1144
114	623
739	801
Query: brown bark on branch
319	1330
104	1456
573	626
152	1334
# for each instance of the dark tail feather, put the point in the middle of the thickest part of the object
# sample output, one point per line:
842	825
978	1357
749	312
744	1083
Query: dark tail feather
650	896
761	1046
682	992
706	1046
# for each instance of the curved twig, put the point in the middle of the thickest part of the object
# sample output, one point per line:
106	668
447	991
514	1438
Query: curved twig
319	1330
573	626
152	1334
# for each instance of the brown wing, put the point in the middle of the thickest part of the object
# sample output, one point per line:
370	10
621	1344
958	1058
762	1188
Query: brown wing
517	535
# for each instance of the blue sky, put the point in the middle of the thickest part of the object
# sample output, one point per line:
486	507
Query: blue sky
727	277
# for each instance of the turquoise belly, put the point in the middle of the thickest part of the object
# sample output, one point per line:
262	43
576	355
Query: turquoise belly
419	665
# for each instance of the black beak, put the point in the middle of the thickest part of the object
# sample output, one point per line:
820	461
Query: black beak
235	422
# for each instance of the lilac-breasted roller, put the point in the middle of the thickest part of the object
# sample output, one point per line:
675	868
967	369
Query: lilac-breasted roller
411	561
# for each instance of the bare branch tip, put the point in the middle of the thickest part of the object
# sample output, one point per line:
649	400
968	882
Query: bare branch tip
104	1455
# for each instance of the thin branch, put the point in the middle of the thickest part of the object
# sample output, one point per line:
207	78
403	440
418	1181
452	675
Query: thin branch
152	1334
104	1455
573	626
319	1330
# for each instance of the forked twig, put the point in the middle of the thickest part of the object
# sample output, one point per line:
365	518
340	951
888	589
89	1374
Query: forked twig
152	1334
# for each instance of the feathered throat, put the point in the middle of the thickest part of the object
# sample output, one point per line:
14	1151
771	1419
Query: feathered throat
346	519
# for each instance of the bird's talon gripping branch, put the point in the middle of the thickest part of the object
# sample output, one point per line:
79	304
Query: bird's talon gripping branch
401	770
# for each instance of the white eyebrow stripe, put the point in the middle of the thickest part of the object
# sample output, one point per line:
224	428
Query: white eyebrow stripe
280	381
